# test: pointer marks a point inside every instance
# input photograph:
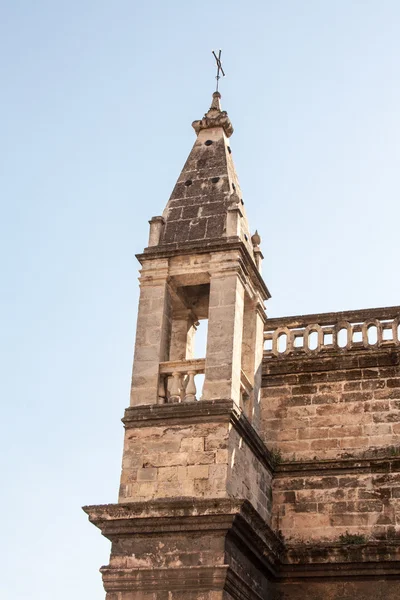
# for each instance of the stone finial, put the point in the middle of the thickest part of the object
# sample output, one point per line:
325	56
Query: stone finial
156	225
256	239
216	104
258	255
215	117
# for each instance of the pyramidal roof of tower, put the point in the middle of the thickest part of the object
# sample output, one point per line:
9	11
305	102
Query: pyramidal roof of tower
207	187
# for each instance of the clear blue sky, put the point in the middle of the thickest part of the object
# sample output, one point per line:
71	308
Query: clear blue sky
96	105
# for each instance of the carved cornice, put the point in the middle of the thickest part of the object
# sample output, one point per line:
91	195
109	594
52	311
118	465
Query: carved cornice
172	516
218	577
338	466
322	561
206	247
164	578
202	411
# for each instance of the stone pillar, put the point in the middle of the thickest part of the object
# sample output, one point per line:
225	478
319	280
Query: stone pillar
224	340
233	221
258	358
156	226
152	332
181	340
252	353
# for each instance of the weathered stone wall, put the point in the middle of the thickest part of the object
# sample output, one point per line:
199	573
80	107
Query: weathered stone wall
334	407
361	499
333	424
173	461
208	459
248	478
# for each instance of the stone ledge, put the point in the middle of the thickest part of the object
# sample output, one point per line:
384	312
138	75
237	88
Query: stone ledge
151	415
334	561
187	515
202	411
363	314
164	578
137	515
332	361
345	564
325	552
321	468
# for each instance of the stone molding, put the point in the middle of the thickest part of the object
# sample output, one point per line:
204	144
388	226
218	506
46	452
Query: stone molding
186	514
335	361
219	577
206	247
340	562
386	312
279	562
164	578
236	518
343	466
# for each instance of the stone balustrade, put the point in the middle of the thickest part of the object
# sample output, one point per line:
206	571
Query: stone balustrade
177	380
332	332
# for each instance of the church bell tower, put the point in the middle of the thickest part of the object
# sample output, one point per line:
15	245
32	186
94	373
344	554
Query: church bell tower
195	493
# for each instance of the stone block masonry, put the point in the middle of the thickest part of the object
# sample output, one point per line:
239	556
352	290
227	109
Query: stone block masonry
349	407
332	417
204	456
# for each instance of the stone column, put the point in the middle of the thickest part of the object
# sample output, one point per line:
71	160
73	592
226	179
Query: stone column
152	332
252	353
181	347
224	340
156	226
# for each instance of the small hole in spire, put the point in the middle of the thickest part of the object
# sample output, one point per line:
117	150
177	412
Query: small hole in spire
234	187
215	179
208	143
229	150
241	200
188	182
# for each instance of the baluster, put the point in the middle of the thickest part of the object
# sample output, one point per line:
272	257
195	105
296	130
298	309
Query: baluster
380	332
396	330
190	395
275	342
175	391
162	396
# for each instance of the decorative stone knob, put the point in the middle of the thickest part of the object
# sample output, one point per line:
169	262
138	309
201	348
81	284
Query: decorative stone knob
255	239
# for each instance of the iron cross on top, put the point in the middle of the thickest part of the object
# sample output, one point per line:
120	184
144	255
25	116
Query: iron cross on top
219	66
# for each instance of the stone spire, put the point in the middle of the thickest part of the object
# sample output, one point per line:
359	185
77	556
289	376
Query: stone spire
206	203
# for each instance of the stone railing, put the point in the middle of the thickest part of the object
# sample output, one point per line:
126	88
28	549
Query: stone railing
337	332
177	380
